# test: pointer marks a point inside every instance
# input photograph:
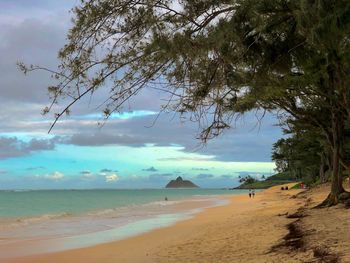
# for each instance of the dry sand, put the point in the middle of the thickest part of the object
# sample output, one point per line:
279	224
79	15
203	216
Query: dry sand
246	230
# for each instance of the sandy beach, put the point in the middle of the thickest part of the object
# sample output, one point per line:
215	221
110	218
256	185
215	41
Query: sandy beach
275	226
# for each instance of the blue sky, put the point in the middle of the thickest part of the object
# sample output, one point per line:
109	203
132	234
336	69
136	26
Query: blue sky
130	150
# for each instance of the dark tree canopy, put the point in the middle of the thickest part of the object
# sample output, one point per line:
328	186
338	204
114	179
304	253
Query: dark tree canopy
216	60
301	155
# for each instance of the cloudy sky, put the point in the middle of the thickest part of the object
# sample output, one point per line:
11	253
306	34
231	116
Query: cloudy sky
130	151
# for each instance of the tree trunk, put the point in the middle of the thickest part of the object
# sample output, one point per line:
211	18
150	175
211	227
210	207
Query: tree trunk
322	169
337	146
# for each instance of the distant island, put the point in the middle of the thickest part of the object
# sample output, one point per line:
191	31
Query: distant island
180	183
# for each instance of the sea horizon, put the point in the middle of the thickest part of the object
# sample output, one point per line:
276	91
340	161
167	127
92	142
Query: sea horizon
100	188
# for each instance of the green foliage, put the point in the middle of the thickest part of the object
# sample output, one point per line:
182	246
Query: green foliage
299	155
281	177
247	179
297	186
277	179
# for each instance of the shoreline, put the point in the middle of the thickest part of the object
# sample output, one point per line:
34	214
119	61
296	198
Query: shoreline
150	244
19	244
275	226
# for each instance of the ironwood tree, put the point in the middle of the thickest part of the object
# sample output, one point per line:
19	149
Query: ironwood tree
215	59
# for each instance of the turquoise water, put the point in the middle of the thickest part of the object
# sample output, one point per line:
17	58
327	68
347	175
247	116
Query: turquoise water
14	204
45	221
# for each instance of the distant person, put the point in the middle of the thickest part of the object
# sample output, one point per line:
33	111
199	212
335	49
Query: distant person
253	193
282	188
166	198
250	193
286	188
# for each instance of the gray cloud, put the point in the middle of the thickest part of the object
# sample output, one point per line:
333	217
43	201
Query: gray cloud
40	145
228	176
164	176
105	170
101	139
33	42
13	147
34	168
27	5
245	173
200	169
204	176
151	169
179	159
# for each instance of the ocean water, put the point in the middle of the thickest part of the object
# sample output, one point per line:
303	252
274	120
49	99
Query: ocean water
25	203
55	220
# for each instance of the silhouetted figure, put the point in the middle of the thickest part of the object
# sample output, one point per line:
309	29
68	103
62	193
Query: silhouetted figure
253	193
166	198
286	188
250	193
282	188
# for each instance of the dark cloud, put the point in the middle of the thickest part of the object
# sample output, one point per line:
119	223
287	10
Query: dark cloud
13	147
34	168
245	173
33	42
105	170
236	145
85	172
228	176
179	159
161	177
40	145
200	169
155	180
101	139
204	176
151	169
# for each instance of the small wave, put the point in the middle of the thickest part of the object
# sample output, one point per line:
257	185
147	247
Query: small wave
42	217
23	221
102	212
161	203
15	190
131	207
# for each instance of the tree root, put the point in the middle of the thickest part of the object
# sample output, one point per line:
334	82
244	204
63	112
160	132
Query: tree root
333	199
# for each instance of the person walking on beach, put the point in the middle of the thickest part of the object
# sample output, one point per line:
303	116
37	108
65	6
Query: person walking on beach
253	193
250	193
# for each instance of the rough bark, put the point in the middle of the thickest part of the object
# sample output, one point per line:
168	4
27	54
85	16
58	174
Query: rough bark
337	145
322	172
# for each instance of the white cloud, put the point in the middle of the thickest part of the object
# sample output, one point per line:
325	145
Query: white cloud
55	176
112	178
